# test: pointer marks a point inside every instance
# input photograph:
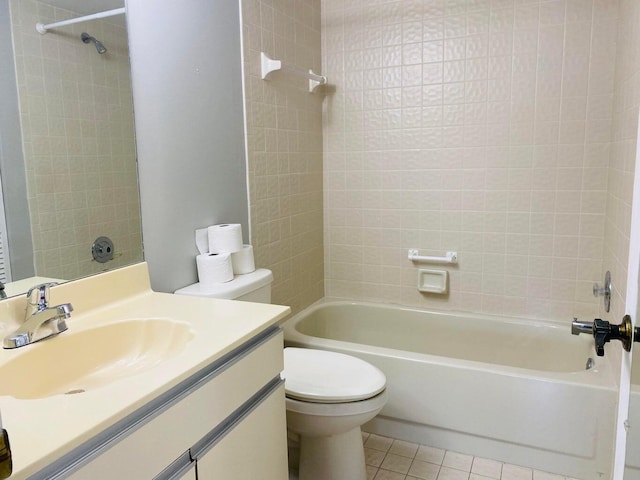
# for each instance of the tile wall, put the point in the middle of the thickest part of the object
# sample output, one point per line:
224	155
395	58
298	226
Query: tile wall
480	126
284	139
77	127
625	110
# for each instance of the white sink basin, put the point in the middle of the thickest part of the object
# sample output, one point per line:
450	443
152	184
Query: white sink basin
74	362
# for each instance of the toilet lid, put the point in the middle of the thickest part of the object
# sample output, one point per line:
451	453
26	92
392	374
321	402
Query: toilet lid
329	377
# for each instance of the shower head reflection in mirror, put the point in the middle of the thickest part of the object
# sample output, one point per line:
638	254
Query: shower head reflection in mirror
86	38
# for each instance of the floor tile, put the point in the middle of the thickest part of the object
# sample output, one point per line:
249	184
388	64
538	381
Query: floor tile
378	442
373	457
388	475
514	472
447	473
486	467
424	470
458	461
430	454
371	472
396	463
405	449
391	459
475	476
538	475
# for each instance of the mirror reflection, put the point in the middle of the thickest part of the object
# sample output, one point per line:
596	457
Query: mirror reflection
77	169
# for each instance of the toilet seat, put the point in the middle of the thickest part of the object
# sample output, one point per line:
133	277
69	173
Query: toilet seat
329	377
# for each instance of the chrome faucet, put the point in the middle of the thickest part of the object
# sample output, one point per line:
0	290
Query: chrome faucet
41	321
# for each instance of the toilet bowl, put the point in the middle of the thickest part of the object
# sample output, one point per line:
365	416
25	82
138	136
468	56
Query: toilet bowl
329	395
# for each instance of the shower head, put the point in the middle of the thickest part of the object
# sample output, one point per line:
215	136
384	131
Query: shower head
86	38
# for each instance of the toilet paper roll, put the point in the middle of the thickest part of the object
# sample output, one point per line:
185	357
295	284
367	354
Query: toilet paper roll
202	240
242	261
226	237
214	268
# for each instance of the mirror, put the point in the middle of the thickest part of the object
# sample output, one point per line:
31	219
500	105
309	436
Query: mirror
67	158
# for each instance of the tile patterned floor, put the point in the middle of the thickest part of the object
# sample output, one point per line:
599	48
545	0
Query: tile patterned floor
390	459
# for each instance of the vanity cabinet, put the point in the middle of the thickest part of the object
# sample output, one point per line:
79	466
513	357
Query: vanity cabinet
190	475
226	421
248	451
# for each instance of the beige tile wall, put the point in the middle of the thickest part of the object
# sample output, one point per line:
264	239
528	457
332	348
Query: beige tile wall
481	126
623	152
284	138
77	127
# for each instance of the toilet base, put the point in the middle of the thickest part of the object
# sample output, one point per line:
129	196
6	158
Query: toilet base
334	457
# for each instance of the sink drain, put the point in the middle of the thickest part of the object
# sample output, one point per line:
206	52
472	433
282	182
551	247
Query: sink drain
74	391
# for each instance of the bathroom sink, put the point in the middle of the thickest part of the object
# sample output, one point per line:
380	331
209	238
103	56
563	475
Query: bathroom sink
75	362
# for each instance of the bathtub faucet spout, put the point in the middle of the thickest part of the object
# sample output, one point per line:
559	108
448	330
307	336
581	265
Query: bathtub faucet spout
578	327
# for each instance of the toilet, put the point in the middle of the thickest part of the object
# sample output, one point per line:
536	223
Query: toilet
329	395
250	287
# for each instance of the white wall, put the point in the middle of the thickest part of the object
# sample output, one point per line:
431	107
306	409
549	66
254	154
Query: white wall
187	89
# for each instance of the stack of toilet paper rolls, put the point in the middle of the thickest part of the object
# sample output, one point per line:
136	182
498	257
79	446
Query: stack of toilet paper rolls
222	253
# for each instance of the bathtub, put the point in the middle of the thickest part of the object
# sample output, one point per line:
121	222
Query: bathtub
632	467
512	390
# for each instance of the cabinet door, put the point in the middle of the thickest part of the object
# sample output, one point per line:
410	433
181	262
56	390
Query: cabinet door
189	475
255	448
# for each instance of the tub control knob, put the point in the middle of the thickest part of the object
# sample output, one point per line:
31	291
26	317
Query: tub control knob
601	335
603	332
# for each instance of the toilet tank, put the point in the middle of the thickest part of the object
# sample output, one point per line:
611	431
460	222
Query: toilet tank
249	287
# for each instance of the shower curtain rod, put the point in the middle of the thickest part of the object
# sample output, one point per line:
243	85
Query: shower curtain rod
109	13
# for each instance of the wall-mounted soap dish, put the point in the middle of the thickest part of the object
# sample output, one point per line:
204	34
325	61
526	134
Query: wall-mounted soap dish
433	281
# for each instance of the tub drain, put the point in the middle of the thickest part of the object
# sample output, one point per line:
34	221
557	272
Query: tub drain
74	391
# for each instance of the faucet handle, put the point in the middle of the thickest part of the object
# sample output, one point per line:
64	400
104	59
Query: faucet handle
38	295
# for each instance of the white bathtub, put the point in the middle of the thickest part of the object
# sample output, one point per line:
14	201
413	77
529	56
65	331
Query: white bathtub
509	389
632	470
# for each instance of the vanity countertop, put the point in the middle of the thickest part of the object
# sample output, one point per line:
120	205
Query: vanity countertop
43	429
